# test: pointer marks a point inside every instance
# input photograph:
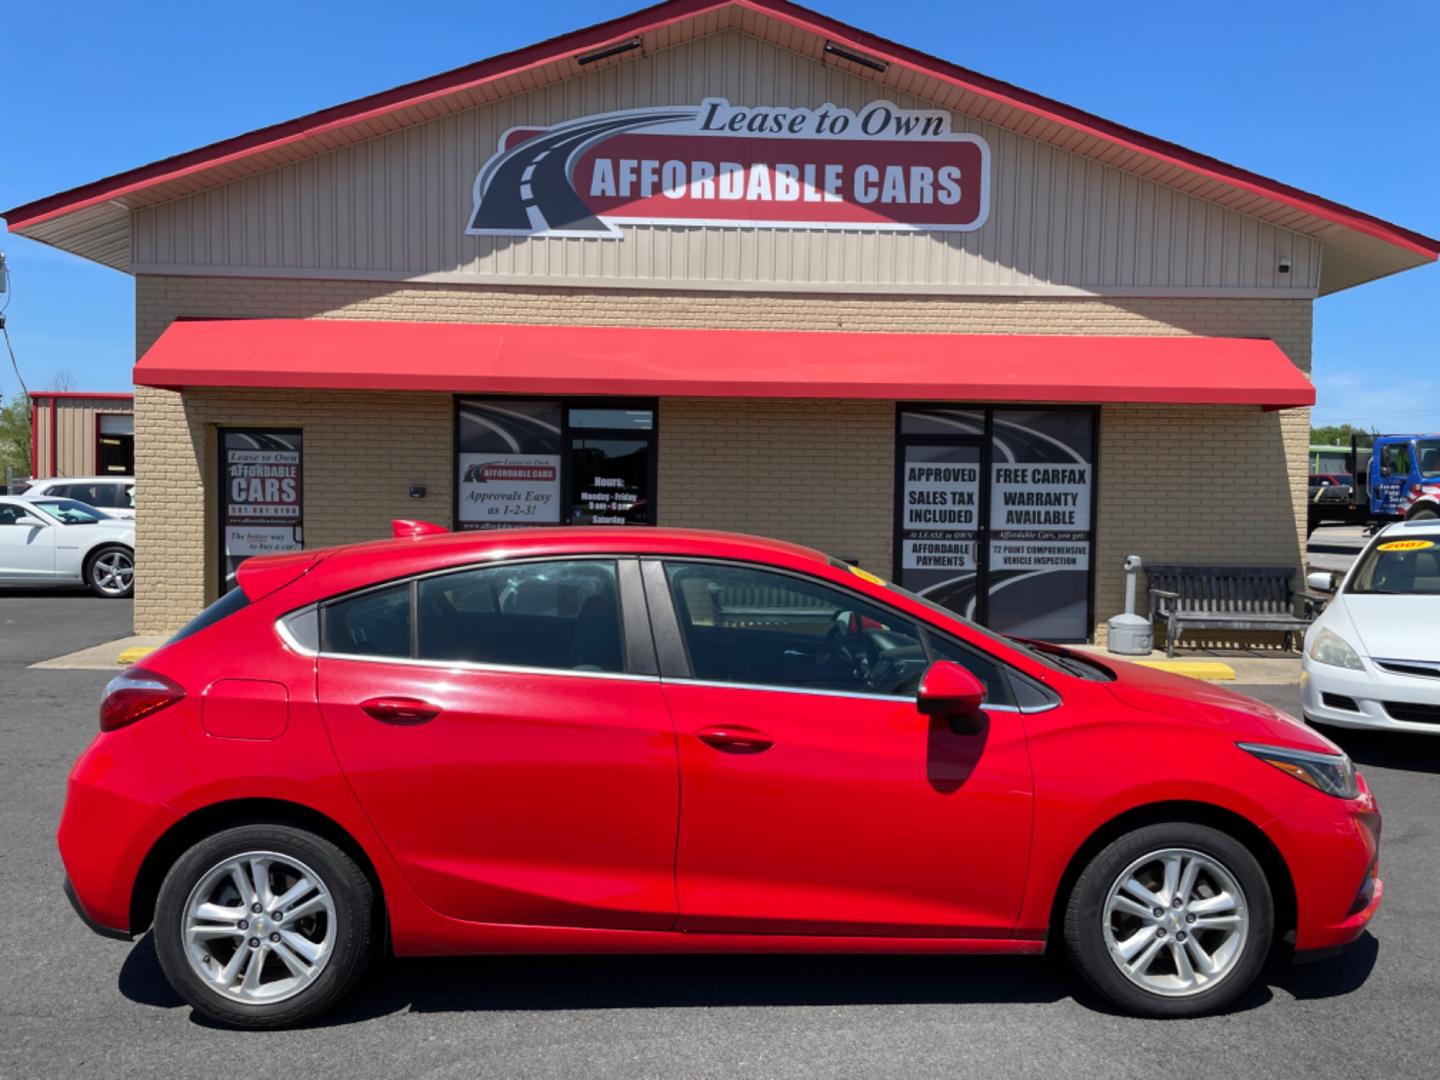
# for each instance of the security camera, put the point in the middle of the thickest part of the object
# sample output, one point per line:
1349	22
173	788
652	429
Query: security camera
1284	266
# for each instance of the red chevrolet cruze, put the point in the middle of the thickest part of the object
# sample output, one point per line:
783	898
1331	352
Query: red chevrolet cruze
654	740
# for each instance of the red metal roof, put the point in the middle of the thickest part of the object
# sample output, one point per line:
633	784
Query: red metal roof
527	359
647	20
99	395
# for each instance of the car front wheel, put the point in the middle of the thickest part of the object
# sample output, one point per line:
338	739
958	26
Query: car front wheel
1171	920
111	573
264	926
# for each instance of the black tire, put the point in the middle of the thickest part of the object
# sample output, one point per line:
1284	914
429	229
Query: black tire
98	569
1423	515
352	948
1085	920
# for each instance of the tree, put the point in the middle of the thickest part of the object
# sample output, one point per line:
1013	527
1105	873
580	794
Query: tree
1339	435
15	437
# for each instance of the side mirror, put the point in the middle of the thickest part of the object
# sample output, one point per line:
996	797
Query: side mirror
950	692
31	520
1320	581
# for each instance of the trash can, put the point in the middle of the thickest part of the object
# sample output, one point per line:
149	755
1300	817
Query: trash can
1130	634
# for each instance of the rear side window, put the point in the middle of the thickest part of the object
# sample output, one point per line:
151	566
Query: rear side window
558	615
233	601
374	623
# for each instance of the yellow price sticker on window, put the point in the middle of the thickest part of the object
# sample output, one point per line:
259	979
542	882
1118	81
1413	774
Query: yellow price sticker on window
1406	545
865	575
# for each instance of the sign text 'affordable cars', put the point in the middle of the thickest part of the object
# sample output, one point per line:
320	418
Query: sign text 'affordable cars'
881	167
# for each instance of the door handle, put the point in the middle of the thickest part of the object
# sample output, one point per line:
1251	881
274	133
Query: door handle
400	710
735	740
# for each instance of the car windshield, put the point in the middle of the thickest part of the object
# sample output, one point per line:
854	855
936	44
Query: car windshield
1395	567
68	511
1427	453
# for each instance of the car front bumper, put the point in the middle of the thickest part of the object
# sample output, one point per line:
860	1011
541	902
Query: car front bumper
1368	691
1332	848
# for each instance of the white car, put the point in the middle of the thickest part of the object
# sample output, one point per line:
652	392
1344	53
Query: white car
1372	658
113	494
60	541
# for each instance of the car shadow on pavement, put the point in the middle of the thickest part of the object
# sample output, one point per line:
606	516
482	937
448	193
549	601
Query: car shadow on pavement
1402	750
543	983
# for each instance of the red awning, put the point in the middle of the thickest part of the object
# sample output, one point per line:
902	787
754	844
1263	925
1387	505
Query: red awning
649	361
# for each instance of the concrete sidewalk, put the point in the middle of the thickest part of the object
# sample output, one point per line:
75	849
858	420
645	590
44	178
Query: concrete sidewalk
109	656
1216	665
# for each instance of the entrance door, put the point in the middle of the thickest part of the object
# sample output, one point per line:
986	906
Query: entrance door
994	513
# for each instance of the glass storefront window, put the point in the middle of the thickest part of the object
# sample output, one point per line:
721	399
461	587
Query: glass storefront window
993	515
551	462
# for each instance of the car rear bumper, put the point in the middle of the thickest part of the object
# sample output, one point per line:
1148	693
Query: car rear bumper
104	836
99	928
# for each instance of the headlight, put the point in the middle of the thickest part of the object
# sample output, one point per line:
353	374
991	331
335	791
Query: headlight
1330	648
1334	774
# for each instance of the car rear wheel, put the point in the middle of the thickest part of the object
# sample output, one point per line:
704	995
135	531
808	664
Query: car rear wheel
264	926
1171	920
111	573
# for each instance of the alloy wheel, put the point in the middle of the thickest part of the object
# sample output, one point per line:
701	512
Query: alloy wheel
259	927
1176	922
113	572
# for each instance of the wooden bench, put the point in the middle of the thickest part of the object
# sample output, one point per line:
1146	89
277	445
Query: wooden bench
1227	598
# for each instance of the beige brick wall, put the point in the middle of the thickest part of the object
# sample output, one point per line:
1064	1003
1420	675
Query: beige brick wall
814	472
1176	483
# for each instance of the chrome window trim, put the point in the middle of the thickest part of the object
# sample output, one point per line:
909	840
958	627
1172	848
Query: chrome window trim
476	665
850	694
282	628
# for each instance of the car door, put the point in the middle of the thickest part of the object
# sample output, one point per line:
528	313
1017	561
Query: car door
815	798
27	543
505	730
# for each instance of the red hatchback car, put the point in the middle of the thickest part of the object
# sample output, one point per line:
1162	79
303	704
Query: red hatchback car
655	740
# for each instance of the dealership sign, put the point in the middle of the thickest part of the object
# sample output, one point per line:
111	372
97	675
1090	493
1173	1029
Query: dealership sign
880	167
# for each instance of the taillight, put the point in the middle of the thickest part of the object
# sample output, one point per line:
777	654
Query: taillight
133	694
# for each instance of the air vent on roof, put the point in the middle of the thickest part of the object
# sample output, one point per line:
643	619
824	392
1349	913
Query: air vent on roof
831	49
609	51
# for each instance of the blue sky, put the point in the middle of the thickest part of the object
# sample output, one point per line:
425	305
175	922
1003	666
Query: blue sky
1337	99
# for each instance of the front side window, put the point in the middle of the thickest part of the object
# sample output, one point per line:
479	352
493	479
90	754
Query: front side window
991	674
1397	460
745	625
557	615
1427	453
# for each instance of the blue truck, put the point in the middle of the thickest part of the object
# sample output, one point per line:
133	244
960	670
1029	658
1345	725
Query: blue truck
1395	479
1402	482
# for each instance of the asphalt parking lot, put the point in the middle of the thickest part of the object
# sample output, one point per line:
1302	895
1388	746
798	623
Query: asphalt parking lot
76	1005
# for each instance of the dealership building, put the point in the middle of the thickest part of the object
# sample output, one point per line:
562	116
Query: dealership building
727	264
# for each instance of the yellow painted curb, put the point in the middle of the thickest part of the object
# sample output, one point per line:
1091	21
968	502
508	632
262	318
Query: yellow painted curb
130	656
1210	670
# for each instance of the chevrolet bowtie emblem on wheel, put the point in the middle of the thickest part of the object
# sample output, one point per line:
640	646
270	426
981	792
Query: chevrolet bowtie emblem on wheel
879	168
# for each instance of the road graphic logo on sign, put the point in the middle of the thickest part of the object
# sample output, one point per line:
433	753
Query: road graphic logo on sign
878	168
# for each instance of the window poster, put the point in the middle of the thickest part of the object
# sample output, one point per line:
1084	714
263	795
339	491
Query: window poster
940	522
261	495
508	462
1041	488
